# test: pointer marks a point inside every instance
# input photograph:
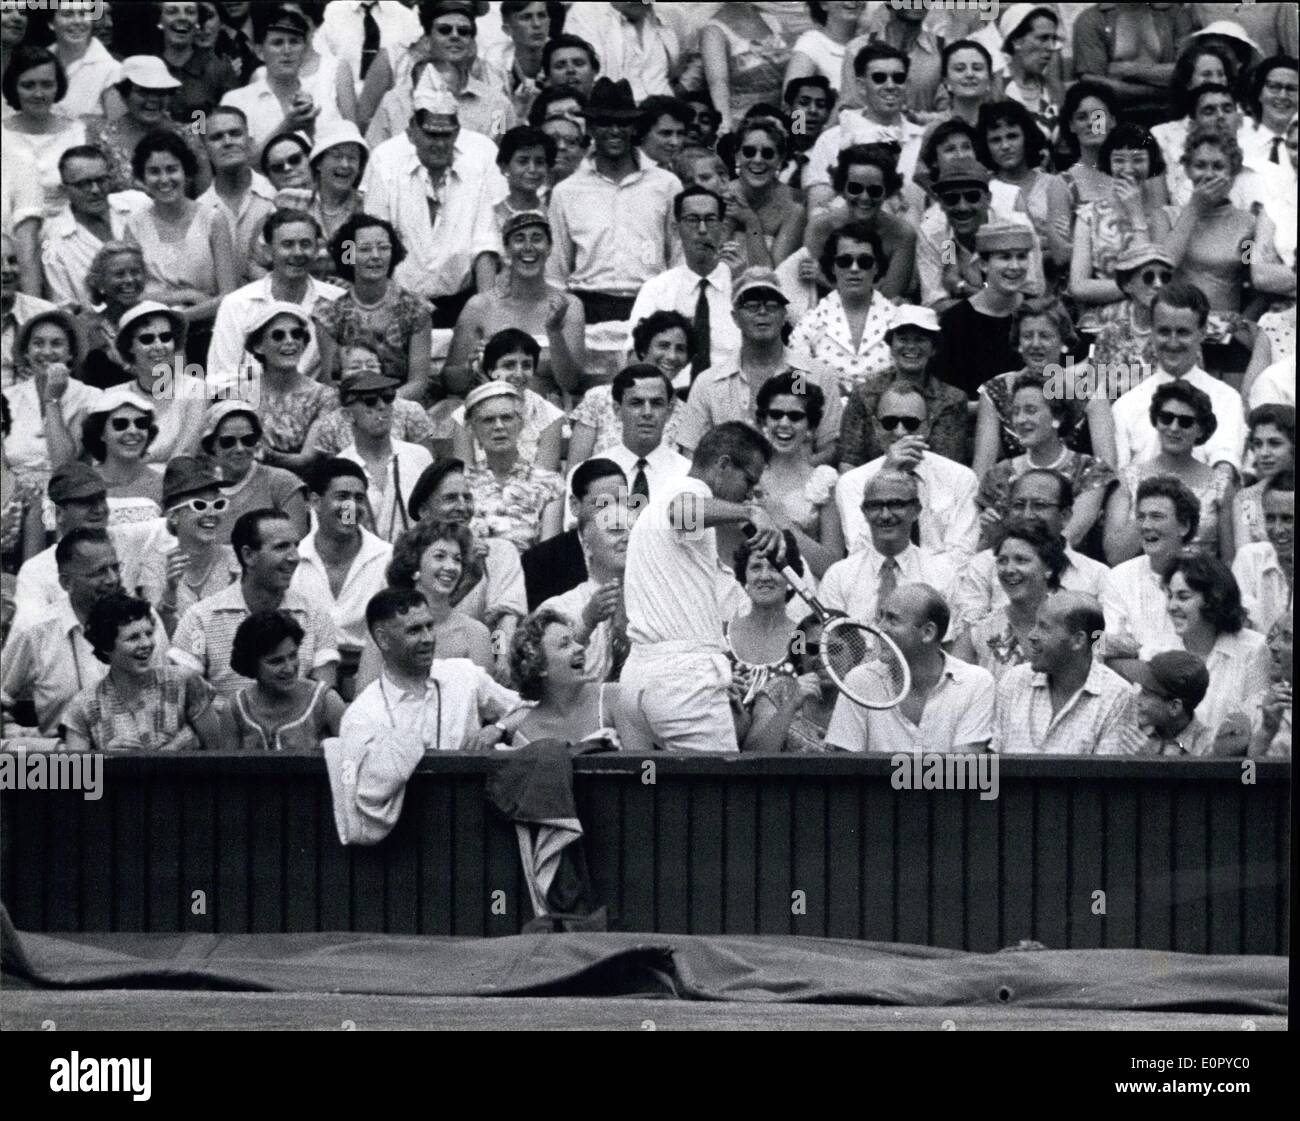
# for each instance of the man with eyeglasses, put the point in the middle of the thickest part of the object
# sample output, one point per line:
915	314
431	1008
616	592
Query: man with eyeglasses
47	657
729	390
241	195
858	584
949	520
341	563
72	237
438	184
700	287
882	79
612	218
391	467
1038	493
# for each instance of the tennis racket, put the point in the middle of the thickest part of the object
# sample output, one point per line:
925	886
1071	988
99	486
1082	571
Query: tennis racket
860	659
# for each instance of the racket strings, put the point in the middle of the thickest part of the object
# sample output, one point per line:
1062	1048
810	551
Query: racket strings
864	666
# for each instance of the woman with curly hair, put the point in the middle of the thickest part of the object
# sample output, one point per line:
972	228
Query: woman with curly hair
1271	442
1205	609
547	665
1184	419
116	434
1030	560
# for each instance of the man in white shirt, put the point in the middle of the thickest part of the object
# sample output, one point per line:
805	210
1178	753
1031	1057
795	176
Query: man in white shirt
1038	493
290	237
1275	385
672	584
418	704
889	510
1178	319
612	218
700	288
1167	515
242	196
1262	567
73	236
949	521
949	707
341	563
437	184
882	80
1215	106
356	32
632	42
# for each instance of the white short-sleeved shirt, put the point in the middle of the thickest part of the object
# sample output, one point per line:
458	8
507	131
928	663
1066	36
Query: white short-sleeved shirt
958	714
1135	605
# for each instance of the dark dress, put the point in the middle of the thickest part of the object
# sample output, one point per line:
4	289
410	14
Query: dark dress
974	348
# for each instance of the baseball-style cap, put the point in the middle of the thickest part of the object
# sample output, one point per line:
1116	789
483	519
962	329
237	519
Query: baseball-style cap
454	8
433	100
911	315
755	278
75	481
963	172
998	237
289	19
524	220
188	474
1175	675
148	72
1144	253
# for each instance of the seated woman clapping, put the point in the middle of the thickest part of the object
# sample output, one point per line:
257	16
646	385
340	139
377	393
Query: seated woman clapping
549	666
138	706
280	711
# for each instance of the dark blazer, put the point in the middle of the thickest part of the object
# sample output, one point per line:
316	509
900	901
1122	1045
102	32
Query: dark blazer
552	567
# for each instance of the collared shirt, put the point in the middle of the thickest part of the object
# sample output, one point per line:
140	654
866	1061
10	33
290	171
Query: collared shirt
51	661
949	520
390	497
1092	722
343	30
159	716
824	335
662	467
266	113
1276	385
1135	605
724	393
612	237
25	307
1265	593
852	585
936	244
1238	665
206	634
1136	438
678	289
958	714
227	359
979	592
365	577
670	583
88	78
68	248
855	128
440	255
204	79
256	205
644	54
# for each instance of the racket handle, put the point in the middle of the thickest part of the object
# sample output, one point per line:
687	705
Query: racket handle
795	580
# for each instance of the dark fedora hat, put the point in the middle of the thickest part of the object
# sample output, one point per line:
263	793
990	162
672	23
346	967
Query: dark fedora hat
611	101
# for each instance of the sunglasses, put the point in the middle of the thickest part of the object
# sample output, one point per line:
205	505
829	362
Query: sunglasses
1168	419
203	505
792	415
753	151
453	31
890	505
893	77
155	337
909	423
228	442
287	163
957	198
125	423
871	190
280	334
1150	275
864	261
370	400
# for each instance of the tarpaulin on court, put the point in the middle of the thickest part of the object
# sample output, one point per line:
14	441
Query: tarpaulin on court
692	967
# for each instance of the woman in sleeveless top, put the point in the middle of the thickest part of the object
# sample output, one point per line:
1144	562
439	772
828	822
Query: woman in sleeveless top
280	711
548	667
745	56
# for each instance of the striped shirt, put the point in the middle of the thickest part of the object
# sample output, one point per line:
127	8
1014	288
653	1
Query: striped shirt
1095	721
206	634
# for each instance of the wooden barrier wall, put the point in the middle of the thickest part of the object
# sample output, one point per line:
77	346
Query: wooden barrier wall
1189	857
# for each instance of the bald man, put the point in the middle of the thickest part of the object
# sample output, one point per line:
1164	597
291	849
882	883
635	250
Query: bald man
1064	701
950	704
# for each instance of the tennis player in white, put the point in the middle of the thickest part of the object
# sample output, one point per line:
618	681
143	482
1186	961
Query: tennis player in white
672	584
